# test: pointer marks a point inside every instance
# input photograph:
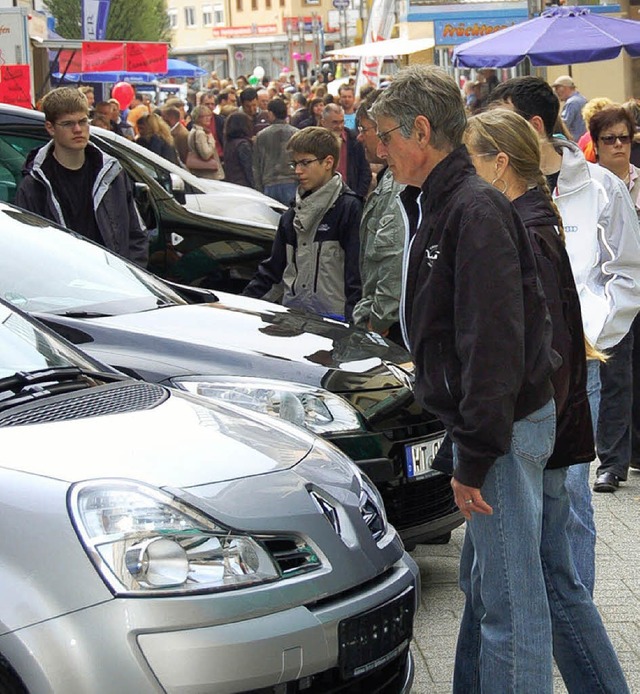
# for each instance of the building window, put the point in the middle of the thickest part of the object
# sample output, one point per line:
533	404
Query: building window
218	15
282	3
254	5
173	19
190	16
207	15
268	4
238	5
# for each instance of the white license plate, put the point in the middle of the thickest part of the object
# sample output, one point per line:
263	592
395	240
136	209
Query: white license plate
420	456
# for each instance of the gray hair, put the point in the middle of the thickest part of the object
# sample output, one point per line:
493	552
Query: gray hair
331	108
425	90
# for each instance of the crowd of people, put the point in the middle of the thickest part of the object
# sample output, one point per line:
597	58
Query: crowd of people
486	241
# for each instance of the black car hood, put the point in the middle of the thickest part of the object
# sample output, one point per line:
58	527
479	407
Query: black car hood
239	336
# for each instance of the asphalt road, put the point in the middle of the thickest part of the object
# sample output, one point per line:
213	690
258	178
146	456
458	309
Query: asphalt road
617	592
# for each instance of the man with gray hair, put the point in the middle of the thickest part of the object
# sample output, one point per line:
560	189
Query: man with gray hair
474	317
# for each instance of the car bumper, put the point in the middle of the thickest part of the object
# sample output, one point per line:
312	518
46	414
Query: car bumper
178	645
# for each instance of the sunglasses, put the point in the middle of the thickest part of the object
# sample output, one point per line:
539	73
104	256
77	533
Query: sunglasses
611	139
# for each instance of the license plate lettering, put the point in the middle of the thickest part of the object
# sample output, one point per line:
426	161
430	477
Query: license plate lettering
420	457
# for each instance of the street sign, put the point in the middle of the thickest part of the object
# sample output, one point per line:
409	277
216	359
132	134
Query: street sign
341	4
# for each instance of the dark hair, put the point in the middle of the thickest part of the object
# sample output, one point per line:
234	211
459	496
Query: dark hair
278	108
608	116
237	125
530	96
248	94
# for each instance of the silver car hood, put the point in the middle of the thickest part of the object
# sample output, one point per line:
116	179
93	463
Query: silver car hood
184	441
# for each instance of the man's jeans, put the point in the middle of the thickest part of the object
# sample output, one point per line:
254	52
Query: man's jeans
616	402
521	589
581	527
283	192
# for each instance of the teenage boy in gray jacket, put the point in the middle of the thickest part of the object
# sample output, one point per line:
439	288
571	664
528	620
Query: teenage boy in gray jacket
71	182
315	251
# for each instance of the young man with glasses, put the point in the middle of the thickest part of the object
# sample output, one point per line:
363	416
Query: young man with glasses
315	251
71	182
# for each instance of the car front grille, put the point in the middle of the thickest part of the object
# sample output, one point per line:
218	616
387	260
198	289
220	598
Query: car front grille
96	402
292	555
418	502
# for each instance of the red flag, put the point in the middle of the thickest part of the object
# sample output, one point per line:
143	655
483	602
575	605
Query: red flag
102	56
147	57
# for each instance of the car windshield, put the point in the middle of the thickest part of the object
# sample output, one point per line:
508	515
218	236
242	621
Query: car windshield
45	269
25	347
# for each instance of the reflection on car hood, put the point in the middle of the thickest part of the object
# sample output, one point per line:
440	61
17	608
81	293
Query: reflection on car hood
241	336
226	206
184	441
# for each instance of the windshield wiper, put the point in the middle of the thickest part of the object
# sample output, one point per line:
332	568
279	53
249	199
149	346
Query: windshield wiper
84	314
30	385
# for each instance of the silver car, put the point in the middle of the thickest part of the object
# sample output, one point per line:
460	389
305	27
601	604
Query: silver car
156	542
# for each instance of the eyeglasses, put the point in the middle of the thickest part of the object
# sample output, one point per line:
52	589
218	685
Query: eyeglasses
611	139
385	136
71	124
303	163
362	129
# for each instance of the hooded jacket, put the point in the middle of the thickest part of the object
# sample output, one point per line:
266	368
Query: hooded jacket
473	313
603	243
574	432
117	217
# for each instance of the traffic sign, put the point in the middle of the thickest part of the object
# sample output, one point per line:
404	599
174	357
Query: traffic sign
341	4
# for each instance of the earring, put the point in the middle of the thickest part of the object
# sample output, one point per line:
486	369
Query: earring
504	183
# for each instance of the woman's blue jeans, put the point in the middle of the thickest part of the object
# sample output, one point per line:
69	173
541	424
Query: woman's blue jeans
524	601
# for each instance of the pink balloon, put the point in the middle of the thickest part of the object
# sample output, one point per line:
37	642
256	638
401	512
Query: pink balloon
296	56
123	93
286	69
308	57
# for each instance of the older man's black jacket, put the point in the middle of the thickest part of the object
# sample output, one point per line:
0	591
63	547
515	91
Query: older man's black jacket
474	313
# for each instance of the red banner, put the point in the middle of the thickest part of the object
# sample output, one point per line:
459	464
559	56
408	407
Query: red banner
147	57
70	61
15	85
102	56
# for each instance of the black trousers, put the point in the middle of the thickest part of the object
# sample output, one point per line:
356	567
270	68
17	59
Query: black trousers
613	439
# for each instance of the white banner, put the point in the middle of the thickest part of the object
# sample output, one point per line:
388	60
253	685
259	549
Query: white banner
379	27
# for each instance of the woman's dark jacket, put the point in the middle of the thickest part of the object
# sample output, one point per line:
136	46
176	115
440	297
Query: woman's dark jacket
574	435
238	161
156	144
474	314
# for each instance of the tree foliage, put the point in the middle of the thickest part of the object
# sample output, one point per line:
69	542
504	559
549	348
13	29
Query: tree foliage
129	20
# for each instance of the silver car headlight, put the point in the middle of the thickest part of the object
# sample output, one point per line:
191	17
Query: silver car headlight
315	409
144	542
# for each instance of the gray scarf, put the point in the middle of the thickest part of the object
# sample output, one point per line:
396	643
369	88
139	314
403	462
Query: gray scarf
312	208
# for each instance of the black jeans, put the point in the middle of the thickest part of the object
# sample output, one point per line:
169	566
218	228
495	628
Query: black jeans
635	415
613	439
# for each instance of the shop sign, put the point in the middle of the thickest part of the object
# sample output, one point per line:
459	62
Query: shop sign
253	30
456	31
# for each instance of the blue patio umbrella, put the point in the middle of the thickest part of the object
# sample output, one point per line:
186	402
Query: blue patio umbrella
175	68
559	36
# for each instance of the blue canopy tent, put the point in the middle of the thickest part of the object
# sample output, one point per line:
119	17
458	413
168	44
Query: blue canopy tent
175	68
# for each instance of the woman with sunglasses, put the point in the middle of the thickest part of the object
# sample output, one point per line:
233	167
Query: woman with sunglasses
612	130
618	436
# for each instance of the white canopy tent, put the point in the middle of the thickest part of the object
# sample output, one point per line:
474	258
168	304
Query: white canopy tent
381	49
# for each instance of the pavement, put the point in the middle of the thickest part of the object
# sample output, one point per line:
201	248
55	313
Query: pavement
617	592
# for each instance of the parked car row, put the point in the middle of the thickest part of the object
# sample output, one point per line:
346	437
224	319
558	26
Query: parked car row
157	542
189	486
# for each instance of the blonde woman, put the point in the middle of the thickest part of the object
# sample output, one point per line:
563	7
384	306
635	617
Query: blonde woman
155	135
203	159
505	151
